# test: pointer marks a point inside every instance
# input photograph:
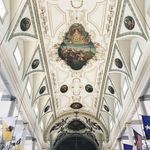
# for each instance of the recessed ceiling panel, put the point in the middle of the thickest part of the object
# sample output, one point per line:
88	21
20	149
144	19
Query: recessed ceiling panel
129	23
97	16
56	17
25	25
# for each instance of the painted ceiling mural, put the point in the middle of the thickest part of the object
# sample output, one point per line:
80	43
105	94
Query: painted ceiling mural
73	60
74	52
77	39
77	47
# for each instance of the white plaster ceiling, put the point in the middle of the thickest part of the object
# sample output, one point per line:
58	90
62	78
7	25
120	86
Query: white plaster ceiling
93	15
98	18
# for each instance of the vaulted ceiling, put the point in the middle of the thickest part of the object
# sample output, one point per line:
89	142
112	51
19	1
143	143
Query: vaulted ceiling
90	93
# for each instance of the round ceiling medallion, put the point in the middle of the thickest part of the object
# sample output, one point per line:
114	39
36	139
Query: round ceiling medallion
76	125
64	88
106	108
35	63
111	89
42	90
118	63
129	22
25	24
46	108
89	88
76	105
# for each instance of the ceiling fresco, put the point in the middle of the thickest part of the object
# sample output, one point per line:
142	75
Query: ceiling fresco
75	62
77	47
76	50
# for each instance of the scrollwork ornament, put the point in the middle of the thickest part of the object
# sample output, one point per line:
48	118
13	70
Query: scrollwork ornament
92	125
77	7
59	126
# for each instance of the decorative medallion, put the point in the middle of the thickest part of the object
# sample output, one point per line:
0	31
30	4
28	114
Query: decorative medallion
111	89
106	108
118	63
89	88
77	48
25	24
42	90
76	125
35	63
129	22
46	108
64	88
76	105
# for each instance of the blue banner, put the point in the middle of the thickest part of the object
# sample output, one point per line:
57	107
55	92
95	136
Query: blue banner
127	147
146	124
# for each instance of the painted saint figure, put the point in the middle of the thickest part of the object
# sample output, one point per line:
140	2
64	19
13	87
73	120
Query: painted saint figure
77	37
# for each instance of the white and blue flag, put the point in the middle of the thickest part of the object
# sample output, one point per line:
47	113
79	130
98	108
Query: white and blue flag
146	124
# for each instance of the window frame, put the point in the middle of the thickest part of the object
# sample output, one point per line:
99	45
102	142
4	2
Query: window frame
111	124
124	94
36	110
141	53
42	125
29	94
6	12
19	65
117	105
